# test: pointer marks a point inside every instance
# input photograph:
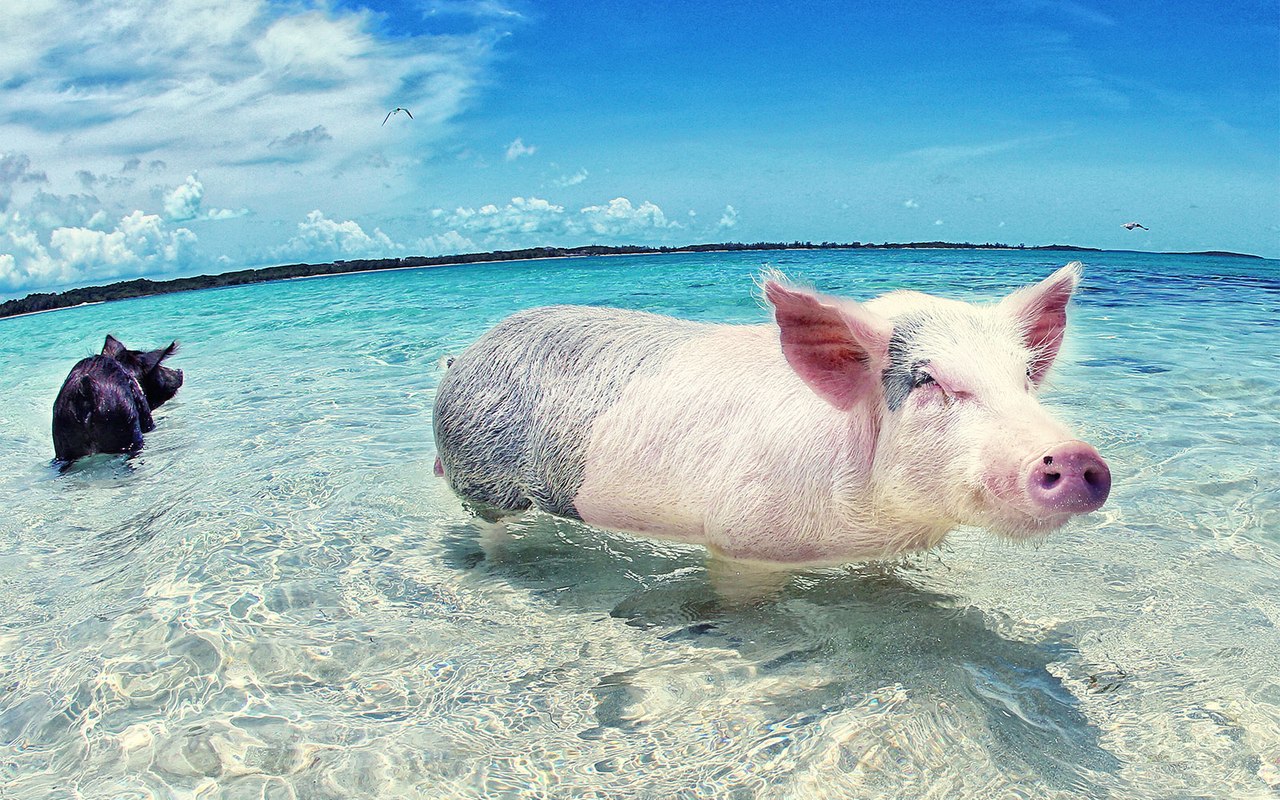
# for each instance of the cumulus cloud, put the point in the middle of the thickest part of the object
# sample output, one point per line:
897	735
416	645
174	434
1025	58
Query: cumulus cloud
445	244
910	203
183	203
274	99
729	218
138	244
519	148
320	238
530	221
520	216
53	240
619	217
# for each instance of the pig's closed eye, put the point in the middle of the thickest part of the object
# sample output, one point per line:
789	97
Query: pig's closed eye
920	378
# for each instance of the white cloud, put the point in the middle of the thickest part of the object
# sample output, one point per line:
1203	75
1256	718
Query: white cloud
138	244
320	238
937	222
30	34
224	213
513	224
520	216
139	241
730	217
271	101
183	203
619	217
49	239
518	148
312	46
445	244
910	203
571	180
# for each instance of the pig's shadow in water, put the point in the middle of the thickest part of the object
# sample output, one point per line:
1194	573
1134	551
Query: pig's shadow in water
861	629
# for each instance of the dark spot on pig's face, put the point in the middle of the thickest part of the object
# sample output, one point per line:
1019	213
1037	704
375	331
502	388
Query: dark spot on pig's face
901	375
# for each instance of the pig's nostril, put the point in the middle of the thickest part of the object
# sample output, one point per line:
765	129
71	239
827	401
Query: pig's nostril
1072	479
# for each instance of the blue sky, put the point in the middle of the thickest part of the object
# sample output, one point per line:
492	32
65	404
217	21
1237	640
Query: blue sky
171	138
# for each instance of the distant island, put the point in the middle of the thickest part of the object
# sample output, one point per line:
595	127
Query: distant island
143	287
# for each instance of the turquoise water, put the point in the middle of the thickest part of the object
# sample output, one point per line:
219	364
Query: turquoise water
278	599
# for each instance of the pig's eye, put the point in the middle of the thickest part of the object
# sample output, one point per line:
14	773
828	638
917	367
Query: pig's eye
921	378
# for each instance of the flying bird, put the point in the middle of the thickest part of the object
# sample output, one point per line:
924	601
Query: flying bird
395	111
1131	225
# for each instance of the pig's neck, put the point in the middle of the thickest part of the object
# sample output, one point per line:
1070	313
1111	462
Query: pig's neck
864	523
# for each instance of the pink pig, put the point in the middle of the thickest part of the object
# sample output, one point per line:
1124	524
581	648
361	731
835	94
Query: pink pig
842	431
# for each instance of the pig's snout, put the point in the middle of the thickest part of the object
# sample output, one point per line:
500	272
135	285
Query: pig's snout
1069	479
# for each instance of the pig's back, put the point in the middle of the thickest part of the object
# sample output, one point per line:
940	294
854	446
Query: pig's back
99	409
514	413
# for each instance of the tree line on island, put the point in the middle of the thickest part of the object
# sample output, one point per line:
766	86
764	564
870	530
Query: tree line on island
143	287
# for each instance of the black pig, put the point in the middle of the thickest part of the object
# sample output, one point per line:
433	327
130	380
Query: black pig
106	402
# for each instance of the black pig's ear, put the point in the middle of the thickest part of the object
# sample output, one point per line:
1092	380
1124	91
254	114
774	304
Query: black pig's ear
112	348
152	359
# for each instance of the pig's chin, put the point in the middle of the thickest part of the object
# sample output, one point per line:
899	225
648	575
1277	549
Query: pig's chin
1025	526
1010	518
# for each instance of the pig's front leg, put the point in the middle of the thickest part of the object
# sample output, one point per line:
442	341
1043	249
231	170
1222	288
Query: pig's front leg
740	584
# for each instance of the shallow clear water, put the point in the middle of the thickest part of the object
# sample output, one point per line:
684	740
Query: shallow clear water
278	599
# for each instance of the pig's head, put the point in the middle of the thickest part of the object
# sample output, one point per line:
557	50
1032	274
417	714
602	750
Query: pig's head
948	392
158	382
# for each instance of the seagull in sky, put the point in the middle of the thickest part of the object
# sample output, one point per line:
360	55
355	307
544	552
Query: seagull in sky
395	111
1128	226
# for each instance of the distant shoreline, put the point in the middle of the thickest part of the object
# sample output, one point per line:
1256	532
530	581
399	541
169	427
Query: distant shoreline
144	287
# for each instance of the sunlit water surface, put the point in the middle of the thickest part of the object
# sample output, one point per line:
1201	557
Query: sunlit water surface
277	598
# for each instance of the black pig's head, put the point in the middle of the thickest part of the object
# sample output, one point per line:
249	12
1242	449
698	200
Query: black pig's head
159	383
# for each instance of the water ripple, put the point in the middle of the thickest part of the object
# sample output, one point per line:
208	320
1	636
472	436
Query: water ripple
278	600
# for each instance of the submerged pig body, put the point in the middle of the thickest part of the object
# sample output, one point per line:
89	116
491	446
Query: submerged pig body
841	431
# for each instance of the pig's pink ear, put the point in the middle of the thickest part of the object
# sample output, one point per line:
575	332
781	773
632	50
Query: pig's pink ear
112	347
837	349
1041	313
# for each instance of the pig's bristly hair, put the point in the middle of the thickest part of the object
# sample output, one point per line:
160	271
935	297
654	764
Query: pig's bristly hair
706	433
